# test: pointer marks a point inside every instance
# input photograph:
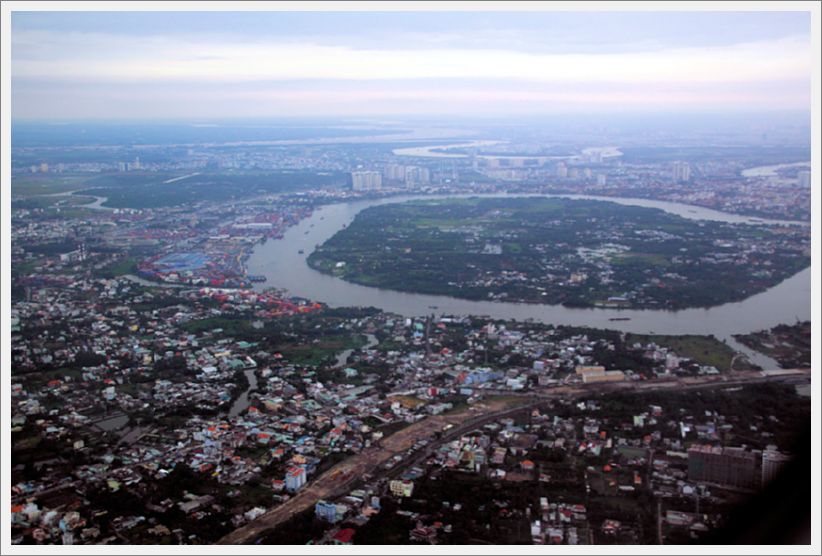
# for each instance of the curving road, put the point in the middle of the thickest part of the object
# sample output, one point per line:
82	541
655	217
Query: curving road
339	479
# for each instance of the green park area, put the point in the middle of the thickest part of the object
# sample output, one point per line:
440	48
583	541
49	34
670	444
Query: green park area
705	350
578	253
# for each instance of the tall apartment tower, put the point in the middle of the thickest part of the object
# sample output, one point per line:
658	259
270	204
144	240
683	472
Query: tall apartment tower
366	181
681	171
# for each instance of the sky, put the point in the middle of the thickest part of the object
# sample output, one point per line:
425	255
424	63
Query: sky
103	65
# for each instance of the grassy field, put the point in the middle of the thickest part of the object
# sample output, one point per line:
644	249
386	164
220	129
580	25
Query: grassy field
126	266
24	268
315	354
49	184
49	201
706	350
230	326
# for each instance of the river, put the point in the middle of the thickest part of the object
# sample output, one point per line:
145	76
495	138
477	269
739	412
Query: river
241	403
285	267
436	151
342	357
97	204
770	171
431	150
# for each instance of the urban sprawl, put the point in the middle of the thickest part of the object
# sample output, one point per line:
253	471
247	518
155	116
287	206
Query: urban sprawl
164	393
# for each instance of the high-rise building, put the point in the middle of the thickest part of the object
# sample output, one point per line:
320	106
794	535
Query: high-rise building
295	478
44	167
416	175
330	512
136	164
366	181
562	170
394	172
804	179
681	171
772	462
735	467
602	179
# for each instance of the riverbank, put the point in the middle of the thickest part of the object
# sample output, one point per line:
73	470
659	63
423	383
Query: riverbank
790	345
282	263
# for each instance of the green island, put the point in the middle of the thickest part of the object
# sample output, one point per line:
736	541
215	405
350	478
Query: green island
560	251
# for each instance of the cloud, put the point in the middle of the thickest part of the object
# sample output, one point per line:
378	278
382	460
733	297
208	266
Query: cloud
101	57
84	74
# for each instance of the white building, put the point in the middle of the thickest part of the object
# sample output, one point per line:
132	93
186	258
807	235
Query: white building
295	478
401	488
681	171
417	175
366	181
804	179
394	172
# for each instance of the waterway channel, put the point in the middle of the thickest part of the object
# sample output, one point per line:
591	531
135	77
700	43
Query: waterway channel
342	357
283	262
241	403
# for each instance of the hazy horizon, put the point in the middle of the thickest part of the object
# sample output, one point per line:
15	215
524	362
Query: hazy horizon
230	65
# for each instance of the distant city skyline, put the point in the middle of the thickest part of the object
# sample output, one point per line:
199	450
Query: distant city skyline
244	64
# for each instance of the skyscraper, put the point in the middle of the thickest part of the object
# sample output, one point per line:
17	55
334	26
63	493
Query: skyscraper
394	172
417	175
366	181
681	171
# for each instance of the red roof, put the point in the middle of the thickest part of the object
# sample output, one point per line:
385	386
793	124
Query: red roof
344	536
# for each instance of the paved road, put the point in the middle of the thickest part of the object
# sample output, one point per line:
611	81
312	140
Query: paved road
339	479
